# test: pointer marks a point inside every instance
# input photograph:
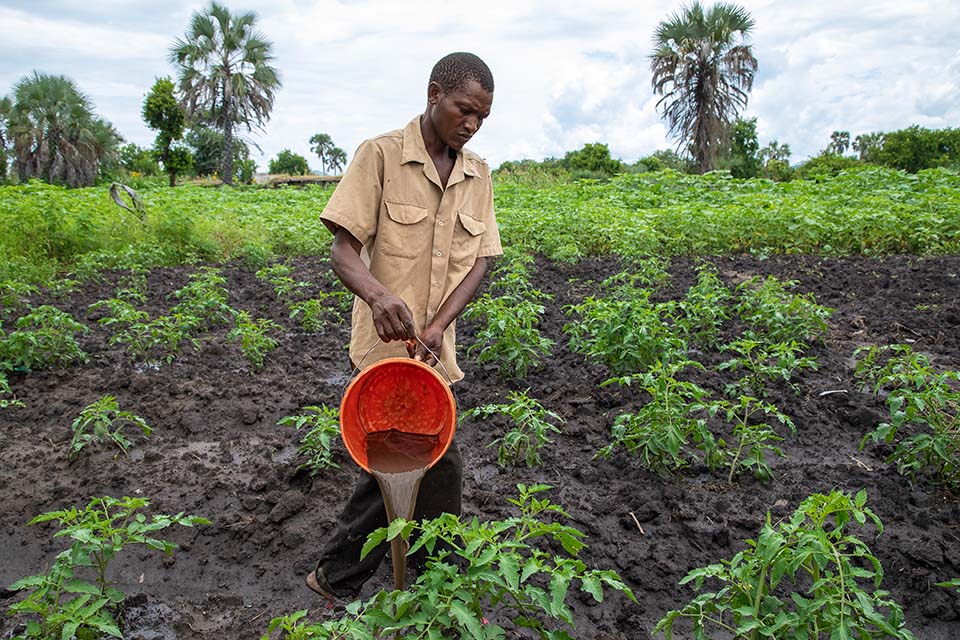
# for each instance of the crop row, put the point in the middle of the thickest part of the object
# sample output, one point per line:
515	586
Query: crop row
49	230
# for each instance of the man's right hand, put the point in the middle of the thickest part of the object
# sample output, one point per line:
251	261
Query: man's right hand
391	315
392	318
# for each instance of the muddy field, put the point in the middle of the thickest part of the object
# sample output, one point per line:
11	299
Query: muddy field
216	451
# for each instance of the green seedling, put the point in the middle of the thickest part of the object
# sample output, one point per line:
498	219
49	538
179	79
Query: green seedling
144	338
476	573
661	430
44	338
61	603
255	344
648	272
103	421
510	337
13	296
311	313
118	313
918	397
762	363
323	427
703	311
203	301
806	577
768	306
753	438
532	424
133	287
950	584
6	391
278	275
512	277
61	287
626	334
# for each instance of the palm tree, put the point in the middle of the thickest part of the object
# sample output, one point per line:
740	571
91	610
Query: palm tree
321	144
55	135
775	151
703	71
225	77
337	159
5	108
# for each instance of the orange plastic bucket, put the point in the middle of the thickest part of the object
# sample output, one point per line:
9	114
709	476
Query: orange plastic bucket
397	393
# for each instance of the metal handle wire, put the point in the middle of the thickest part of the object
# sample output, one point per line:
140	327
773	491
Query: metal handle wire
357	367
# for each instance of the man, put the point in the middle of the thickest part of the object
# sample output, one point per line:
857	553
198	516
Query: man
413	224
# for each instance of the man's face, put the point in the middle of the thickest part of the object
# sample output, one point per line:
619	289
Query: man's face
458	113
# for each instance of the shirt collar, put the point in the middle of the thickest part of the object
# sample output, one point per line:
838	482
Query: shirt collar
414	150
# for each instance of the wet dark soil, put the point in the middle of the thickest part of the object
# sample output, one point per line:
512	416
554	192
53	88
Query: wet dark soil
217	451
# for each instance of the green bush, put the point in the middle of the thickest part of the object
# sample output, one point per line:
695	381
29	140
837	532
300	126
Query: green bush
806	577
532	424
60	603
475	570
918	397
592	161
323	428
103	421
768	306
660	431
624	330
44	338
916	148
290	163
255	343
825	166
510	337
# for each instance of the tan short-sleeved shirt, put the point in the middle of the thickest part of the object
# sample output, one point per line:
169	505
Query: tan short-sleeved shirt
419	239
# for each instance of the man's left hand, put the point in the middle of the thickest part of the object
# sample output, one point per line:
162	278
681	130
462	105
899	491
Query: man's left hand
432	337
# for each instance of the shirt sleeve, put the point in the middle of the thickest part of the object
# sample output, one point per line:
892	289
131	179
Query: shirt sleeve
490	241
355	203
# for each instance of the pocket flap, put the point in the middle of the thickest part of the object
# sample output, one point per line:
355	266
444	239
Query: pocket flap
473	226
406	213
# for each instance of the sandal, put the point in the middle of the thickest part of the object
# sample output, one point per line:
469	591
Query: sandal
317	583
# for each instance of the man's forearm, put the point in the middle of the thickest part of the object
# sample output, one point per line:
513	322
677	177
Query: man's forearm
457	301
391	316
353	273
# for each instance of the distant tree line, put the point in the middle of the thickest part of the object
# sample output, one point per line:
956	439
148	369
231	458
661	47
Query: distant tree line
702	68
225	84
911	149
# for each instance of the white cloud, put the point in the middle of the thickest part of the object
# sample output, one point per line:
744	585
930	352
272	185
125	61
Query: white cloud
566	73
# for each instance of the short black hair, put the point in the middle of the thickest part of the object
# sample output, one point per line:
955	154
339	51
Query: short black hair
453	71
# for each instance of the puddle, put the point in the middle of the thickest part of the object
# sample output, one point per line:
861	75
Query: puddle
151	622
147	367
285	454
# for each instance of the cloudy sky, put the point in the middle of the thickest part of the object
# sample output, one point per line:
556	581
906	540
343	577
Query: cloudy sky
566	73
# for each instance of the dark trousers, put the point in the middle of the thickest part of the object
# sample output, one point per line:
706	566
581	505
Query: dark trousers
440	492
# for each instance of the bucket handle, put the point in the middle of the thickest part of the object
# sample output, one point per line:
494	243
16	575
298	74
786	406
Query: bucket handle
356	369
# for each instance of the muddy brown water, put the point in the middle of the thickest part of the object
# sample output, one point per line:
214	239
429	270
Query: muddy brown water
399	460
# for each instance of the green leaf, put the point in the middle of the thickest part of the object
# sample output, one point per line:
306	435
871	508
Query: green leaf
559	584
591	584
81	586
467	618
373	541
510	568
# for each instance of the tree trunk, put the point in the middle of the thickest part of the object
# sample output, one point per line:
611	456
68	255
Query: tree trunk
226	162
163	158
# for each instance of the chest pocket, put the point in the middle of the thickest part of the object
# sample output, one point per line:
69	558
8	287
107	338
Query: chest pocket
466	238
404	232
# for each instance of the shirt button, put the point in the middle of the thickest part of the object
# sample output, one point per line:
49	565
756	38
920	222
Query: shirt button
440	222
439	253
436	284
